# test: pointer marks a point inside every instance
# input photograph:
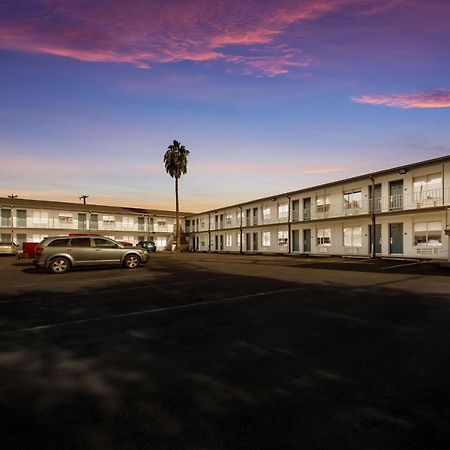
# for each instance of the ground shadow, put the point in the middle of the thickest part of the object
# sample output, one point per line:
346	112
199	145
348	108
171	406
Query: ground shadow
298	366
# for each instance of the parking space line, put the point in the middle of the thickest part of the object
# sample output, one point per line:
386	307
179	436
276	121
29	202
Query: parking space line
126	288
150	311
404	265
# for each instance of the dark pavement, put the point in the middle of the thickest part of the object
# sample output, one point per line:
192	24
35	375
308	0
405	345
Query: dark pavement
199	351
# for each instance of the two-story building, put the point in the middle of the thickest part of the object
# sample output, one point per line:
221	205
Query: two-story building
25	220
398	212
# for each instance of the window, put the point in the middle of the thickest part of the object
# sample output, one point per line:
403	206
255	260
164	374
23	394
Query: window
266	239
127	223
239	217
59	243
266	214
428	187
21	238
283	211
352	199
428	234
322	203
352	236
324	236
109	219
65	218
141	223
22	218
228	218
161	242
228	240
283	238
104	243
238	239
5	237
6	217
40	218
162	223
94	222
81	242
202	223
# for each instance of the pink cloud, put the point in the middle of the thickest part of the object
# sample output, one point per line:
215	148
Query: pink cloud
434	99
144	33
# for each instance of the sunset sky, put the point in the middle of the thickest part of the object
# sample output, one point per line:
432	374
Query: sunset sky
269	96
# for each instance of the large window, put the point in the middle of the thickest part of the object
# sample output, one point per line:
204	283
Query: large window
228	218
283	211
428	234
228	240
266	239
127	222
322	203
283	238
161	242
266	214
324	237
40	218
109	219
65	218
352	236
428	187
352	199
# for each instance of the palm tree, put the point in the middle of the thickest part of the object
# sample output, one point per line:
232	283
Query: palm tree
175	161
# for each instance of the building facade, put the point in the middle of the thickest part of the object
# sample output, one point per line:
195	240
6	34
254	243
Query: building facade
31	220
399	212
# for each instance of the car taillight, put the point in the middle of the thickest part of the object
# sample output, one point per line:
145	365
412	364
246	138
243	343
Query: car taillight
38	249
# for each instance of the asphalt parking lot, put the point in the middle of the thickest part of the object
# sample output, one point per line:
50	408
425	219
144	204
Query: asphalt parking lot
208	351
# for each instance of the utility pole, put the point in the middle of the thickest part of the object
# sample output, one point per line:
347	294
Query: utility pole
84	197
12	197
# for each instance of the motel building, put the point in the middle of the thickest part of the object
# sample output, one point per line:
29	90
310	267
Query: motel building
31	220
408	207
403	212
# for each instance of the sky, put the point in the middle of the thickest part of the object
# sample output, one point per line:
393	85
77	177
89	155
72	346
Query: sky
268	96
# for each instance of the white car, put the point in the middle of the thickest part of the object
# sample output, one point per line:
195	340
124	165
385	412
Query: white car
8	248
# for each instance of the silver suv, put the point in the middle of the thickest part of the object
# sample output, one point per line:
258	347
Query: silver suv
59	254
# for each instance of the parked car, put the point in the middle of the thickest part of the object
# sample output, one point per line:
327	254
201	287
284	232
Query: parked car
125	243
28	250
8	248
62	253
150	246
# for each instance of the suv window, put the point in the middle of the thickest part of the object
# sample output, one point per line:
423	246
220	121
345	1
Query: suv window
59	243
81	242
104	243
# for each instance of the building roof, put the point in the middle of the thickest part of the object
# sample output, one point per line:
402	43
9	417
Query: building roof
68	206
378	173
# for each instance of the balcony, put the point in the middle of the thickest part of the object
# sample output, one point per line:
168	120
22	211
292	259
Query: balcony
403	202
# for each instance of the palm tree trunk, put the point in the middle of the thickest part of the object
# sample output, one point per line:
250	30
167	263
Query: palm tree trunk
177	212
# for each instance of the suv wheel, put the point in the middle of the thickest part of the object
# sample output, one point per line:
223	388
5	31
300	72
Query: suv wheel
131	261
59	265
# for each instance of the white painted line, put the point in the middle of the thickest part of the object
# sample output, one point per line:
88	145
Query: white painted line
404	265
149	311
105	291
